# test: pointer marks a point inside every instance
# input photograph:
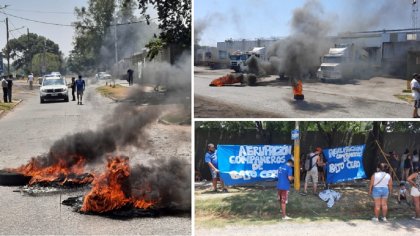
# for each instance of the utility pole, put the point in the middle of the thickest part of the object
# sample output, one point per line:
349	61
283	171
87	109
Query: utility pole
116	44
7	46
43	70
29	53
296	154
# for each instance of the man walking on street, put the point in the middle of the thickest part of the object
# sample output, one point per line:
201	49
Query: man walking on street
211	160
130	76
415	87
9	87
31	80
285	175
80	87
73	88
4	86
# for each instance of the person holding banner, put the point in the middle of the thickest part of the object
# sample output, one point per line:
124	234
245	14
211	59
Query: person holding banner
414	180
284	175
380	188
211	160
312	173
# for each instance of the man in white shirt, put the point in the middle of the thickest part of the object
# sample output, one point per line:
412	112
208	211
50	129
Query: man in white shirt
31	80
415	88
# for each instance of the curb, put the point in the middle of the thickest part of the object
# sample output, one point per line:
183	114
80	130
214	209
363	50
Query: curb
2	112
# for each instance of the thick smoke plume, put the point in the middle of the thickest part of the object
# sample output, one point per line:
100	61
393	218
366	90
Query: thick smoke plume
201	24
170	181
298	55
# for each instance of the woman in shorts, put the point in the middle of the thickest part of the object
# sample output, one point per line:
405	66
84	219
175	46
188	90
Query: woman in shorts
414	180
380	187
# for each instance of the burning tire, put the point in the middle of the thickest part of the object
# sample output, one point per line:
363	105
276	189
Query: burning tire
252	80
13	179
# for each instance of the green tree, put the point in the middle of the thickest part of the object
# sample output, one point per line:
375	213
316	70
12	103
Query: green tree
52	61
91	27
22	50
174	20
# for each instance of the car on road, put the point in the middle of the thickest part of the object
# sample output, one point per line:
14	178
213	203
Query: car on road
55	73
53	88
102	75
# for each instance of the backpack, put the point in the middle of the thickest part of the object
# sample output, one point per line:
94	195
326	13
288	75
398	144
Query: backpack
308	163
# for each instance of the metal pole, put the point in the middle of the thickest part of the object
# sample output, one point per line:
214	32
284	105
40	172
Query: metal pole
116	44
44	69
297	159
29	53
7	46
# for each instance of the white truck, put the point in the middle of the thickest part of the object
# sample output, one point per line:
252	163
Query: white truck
238	58
342	62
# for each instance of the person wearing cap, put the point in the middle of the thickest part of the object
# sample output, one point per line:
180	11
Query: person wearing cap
211	159
415	88
284	175
312	173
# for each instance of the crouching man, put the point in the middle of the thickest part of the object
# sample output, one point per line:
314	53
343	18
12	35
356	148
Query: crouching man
285	175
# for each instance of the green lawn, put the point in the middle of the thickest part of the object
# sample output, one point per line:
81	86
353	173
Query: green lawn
260	206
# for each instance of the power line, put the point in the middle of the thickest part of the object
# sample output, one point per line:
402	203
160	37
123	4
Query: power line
44	12
15	28
57	24
37	21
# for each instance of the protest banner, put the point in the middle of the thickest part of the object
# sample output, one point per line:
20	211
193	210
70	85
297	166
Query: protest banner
241	164
344	163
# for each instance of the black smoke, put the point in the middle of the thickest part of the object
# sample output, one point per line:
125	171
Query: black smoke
168	180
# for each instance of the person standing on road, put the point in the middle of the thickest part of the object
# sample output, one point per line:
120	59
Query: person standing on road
415	88
285	175
211	159
380	188
73	88
130	73
80	88
9	87
4	86
414	180
31	81
312	173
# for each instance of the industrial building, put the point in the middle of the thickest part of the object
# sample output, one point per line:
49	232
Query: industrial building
395	52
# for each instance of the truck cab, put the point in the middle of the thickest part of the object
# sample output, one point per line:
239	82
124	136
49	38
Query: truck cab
237	60
343	62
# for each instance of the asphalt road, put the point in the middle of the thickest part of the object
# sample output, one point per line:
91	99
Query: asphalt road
31	128
373	98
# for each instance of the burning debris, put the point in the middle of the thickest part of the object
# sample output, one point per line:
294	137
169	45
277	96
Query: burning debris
298	90
234	78
112	190
141	191
61	173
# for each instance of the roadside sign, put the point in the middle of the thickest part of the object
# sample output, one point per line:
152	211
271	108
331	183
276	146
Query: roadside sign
295	134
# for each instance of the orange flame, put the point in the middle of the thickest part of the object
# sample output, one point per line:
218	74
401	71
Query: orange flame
224	80
111	190
61	172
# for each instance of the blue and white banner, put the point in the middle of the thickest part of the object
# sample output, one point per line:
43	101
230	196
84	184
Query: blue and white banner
241	164
344	163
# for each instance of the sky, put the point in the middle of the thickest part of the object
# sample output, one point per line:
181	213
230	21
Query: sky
251	19
56	11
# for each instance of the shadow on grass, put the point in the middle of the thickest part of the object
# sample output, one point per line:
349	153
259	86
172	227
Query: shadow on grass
261	205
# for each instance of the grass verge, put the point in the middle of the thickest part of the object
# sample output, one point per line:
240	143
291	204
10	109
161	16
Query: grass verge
116	92
404	97
7	106
253	206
